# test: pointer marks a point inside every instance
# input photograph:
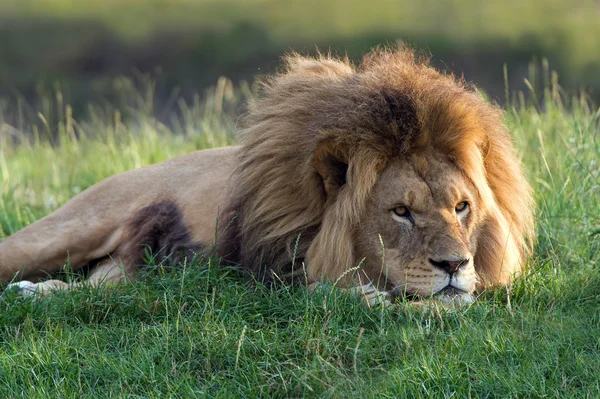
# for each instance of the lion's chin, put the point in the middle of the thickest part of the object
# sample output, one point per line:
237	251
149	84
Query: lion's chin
454	296
448	295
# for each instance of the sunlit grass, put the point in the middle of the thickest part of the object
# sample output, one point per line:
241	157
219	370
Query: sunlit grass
203	330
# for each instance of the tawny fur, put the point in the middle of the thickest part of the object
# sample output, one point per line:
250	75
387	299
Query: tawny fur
314	145
325	111
98	222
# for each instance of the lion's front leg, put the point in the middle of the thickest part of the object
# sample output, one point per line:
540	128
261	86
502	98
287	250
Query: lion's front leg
369	294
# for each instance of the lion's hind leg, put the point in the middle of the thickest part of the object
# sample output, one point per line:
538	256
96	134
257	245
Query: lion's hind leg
27	288
156	230
46	246
107	272
88	227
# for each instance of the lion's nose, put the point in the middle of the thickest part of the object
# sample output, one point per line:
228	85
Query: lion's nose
450	266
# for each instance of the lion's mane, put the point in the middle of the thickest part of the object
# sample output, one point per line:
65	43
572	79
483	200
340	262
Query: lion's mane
319	134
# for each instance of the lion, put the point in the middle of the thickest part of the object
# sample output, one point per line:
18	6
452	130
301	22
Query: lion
389	176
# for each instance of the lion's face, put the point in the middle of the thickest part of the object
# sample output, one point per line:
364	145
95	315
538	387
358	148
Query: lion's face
425	211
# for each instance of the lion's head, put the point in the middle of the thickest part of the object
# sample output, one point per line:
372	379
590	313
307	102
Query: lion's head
420	223
389	171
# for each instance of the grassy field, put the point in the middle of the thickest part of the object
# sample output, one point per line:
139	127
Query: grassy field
202	330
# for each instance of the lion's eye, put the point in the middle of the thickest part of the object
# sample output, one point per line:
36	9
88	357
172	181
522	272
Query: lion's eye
461	206
401	211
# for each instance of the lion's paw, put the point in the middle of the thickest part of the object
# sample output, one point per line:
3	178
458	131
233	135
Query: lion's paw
372	296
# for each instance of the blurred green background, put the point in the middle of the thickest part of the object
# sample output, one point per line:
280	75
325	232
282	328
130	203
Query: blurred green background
80	47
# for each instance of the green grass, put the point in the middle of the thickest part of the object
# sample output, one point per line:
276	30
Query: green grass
203	330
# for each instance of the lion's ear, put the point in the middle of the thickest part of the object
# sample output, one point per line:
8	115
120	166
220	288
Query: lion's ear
331	163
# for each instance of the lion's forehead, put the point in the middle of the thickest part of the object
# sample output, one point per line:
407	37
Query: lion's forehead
408	183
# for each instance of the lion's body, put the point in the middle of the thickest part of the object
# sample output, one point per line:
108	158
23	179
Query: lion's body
389	173
94	224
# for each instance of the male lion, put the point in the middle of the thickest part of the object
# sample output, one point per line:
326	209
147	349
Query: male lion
388	175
